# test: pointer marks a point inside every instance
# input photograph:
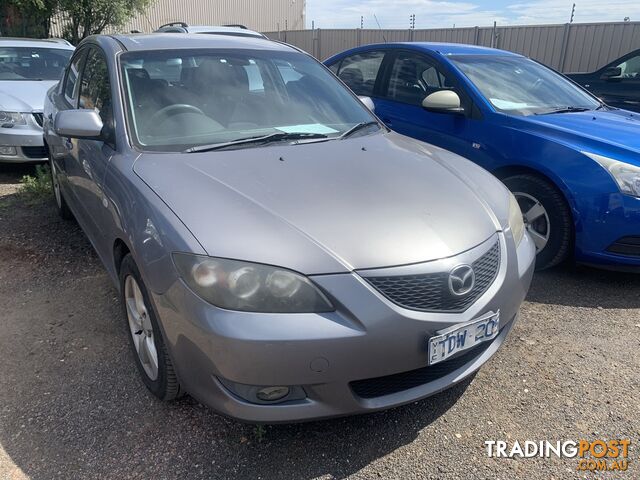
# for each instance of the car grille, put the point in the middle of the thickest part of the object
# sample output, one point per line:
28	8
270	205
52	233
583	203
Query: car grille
35	152
38	117
430	291
629	246
399	382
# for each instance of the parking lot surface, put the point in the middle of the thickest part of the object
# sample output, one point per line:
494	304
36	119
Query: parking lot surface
72	405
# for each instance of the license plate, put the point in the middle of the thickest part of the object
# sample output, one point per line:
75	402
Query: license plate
463	337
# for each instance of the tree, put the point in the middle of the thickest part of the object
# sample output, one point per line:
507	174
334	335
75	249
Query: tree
27	18
89	17
81	18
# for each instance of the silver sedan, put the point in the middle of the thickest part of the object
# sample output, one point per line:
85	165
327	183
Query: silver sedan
28	68
280	255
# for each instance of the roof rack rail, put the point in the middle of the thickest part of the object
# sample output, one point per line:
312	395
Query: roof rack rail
60	40
172	24
236	25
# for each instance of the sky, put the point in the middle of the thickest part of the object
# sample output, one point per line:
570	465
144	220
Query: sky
464	13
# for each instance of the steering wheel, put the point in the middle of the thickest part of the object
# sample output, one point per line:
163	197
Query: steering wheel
170	110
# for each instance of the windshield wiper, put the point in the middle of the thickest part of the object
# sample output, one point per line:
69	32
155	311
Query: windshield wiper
261	140
565	110
356	127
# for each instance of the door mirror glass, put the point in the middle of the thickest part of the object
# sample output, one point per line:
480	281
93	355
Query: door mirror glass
611	72
368	103
445	101
78	124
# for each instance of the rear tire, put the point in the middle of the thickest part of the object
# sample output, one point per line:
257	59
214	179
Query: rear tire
547	215
145	336
61	204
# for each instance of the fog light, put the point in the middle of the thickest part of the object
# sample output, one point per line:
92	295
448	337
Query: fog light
271	394
7	150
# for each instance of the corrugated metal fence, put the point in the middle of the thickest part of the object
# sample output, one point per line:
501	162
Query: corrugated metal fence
568	48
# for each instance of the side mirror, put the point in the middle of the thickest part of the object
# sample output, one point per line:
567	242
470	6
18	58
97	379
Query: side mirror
611	73
443	101
368	103
78	124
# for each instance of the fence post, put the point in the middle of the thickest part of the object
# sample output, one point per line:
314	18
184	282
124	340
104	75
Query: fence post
476	35
359	36
319	57
565	46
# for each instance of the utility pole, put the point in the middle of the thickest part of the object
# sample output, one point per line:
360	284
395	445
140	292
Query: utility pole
573	11
412	21
361	22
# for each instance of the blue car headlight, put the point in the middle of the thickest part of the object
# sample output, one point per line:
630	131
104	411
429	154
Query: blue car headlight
627	176
250	287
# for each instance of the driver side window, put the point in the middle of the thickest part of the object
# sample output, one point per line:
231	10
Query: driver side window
95	88
630	68
413	77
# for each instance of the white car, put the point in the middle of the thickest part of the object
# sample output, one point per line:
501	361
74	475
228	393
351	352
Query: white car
28	68
182	27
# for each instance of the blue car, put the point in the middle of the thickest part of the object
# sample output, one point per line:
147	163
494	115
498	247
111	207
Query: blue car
572	162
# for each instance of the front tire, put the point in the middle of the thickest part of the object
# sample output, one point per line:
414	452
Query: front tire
61	204
547	217
148	347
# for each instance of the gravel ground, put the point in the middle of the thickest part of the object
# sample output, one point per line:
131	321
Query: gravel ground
71	404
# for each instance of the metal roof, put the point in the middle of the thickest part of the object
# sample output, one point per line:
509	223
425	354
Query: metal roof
172	41
36	42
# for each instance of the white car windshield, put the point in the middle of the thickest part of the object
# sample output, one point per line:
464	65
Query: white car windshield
26	63
519	86
181	99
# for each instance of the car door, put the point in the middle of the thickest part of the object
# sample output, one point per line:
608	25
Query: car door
91	158
623	90
408	77
62	148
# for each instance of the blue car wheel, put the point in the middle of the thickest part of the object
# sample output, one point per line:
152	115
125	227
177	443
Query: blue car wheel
547	218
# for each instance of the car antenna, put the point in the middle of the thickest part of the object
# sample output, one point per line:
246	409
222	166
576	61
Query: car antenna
380	28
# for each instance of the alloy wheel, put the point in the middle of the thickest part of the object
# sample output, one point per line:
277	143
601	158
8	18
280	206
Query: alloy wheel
141	327
536	219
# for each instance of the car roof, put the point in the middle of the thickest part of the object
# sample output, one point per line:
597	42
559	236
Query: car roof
223	30
173	41
35	42
443	48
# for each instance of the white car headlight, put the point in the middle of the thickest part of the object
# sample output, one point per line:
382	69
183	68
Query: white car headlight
516	221
9	119
627	176
250	287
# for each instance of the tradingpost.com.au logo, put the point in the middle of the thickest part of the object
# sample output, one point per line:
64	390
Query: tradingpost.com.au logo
596	455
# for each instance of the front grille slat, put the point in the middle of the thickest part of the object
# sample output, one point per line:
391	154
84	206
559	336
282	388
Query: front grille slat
399	382
429	292
38	117
35	152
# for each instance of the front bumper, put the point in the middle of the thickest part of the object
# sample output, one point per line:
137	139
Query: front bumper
366	337
610	220
26	140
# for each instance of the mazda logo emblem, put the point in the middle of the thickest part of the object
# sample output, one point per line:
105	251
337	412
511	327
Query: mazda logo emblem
462	279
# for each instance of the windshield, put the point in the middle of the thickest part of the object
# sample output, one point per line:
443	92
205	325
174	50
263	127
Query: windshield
25	63
519	86
181	99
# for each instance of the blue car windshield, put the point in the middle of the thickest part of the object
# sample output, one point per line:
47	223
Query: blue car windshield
519	86
179	100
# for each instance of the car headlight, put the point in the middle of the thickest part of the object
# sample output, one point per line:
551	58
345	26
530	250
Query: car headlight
627	176
250	287
516	221
9	119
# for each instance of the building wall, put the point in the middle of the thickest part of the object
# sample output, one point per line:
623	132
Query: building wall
568	48
259	15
